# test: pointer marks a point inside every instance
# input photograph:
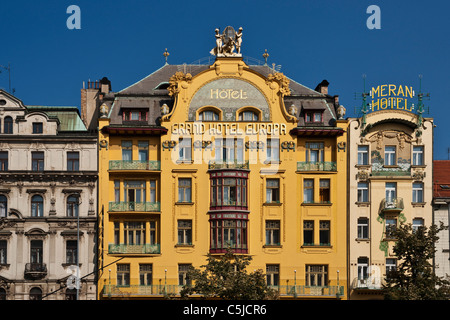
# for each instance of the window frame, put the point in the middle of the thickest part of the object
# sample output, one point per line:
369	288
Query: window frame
418	156
363	228
8	125
273	192
37	161
38	127
184	232
273	232
307	190
4	160
417	192
38	206
72	205
363	192
363	155
184	188
390	156
73	161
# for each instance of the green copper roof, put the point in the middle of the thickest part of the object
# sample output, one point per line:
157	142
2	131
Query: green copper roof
69	117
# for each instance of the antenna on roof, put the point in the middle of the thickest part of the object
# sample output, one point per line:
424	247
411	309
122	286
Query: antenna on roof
8	68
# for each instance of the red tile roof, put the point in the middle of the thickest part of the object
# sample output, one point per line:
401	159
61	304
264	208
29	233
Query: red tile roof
441	178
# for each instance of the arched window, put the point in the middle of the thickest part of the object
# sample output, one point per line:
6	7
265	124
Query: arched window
37	206
248	115
8	123
3	206
72	206
35	294
208	115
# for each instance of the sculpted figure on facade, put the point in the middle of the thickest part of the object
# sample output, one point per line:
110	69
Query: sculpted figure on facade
227	43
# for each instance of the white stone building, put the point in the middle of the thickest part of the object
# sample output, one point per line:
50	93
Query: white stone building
48	192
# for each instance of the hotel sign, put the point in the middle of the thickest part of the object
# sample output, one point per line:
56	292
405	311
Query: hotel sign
391	96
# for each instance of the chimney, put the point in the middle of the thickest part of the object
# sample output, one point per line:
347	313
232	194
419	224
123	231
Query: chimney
322	87
90	101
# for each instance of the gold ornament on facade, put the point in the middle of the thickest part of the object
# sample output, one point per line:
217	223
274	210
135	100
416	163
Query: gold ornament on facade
281	80
178	78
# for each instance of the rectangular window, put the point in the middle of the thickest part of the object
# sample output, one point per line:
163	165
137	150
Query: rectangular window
391	191
185	232
71	252
391	266
230	191
134	233
417	155
363	268
123	274
127	150
417	223
308	191
37	127
363	228
273	232
273	150
391	226
273	274
363	155
363	192
390	158
3	160
145	274
324	233
308	233
184	190
314	152
417	191
313	117
3	251
143	150
73	161
117	191
37	161
153	191
185	149
316	275
324	190
273	190
135	115
36	251
182	274
116	232
134	194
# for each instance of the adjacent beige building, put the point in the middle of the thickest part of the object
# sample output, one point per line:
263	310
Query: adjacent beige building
390	182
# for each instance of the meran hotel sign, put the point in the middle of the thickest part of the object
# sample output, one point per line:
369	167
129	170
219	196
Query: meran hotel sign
390	96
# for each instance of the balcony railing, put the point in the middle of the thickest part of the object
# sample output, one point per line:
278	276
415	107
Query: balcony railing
110	290
228	165
316	166
134	248
134	206
368	283
392	204
35	270
134	165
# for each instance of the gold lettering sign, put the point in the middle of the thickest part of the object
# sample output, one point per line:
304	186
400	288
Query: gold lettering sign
389	96
228	94
228	128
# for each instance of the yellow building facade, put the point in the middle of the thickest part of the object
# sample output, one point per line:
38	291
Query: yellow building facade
196	159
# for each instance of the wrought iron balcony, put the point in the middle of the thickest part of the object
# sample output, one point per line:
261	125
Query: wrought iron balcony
124	206
316	166
374	283
296	291
228	165
112	290
134	165
134	248
392	205
35	270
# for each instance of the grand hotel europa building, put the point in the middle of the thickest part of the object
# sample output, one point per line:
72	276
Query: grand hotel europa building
195	159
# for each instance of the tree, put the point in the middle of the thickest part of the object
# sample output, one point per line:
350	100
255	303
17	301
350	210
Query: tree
226	277
414	278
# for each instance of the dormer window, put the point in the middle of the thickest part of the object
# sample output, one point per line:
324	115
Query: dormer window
37	127
313	116
135	115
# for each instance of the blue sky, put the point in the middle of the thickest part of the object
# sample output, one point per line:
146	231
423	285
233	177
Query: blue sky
311	40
